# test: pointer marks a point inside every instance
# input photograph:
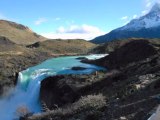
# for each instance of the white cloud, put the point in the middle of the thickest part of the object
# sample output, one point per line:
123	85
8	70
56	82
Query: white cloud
126	22
84	31
144	12
61	29
70	36
124	18
135	16
40	21
79	29
148	4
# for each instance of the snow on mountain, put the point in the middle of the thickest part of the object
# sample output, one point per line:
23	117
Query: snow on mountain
147	26
152	19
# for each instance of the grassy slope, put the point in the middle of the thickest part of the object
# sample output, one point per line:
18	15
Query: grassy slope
66	46
18	33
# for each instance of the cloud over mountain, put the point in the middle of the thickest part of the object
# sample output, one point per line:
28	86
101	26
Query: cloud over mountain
40	21
75	32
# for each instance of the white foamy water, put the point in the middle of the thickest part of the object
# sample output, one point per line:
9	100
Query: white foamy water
26	93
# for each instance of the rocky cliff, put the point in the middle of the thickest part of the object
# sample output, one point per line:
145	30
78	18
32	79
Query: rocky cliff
133	51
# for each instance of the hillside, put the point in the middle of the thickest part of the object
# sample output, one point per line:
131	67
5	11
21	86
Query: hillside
115	44
147	26
63	46
18	33
130	51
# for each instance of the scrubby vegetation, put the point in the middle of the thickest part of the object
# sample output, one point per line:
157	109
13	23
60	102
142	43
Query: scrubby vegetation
84	104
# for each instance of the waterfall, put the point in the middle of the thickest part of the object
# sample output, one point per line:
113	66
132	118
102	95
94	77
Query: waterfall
26	94
10	104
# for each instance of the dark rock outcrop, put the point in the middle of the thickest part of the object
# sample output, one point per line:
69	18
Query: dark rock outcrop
81	58
78	68
64	89
34	45
131	52
55	91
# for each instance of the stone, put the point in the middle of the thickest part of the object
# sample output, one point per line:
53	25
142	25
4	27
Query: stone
56	91
78	68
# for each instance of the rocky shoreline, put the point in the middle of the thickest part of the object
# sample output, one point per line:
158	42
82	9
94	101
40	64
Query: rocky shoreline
11	65
17	63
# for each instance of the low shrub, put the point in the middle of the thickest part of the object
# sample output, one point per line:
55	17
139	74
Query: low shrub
85	103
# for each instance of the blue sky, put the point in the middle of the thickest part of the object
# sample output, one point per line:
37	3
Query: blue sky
73	18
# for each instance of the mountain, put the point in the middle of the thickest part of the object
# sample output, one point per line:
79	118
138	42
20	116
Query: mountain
147	26
18	33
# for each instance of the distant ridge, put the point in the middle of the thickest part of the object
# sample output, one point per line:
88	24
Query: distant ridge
147	26
18	33
58	46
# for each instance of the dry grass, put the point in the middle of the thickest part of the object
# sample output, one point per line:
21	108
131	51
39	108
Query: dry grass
66	46
90	102
18	33
11	53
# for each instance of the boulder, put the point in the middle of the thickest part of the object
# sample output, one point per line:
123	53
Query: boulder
78	68
56	92
81	58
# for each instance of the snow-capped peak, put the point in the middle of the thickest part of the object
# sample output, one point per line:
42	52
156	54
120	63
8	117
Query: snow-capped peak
152	19
155	8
